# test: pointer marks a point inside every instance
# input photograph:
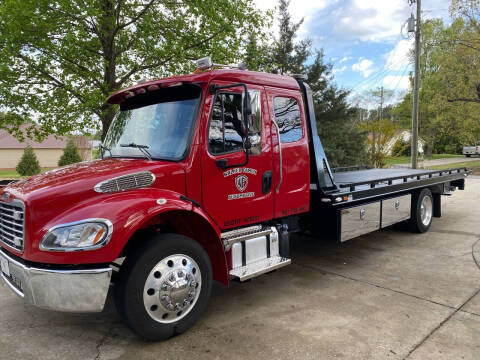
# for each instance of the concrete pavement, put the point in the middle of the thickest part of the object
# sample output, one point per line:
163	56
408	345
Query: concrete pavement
387	295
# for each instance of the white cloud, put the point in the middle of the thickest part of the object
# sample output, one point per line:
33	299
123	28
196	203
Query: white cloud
396	82
398	57
298	9
345	58
338	71
363	66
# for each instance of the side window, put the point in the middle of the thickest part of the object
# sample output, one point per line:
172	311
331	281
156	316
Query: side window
226	127
287	116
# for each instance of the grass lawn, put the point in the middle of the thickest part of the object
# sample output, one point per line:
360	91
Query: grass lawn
11	174
474	165
406	159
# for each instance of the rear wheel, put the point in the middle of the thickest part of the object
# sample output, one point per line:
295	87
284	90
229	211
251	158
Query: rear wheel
468	155
422	211
164	286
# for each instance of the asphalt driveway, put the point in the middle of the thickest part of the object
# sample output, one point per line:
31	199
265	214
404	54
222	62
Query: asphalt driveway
387	295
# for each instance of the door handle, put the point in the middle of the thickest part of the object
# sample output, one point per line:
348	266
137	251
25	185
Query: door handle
266	182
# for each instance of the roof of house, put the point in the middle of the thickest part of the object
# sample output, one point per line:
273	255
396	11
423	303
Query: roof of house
8	141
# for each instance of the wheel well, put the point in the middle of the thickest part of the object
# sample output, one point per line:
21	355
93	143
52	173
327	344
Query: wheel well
191	225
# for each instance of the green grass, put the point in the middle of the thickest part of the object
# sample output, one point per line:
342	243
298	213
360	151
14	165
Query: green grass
406	159
474	165
11	174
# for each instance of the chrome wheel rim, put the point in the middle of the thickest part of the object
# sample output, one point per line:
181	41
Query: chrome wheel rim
172	288
426	210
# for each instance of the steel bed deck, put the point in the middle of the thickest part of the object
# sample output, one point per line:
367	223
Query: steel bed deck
364	183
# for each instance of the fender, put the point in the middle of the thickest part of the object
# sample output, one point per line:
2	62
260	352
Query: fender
129	212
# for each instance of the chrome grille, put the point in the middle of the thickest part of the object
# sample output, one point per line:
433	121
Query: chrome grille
126	182
12	221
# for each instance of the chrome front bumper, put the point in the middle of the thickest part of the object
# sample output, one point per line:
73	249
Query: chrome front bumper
60	290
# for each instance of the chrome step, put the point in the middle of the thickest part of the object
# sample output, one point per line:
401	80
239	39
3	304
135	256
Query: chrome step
234	236
260	267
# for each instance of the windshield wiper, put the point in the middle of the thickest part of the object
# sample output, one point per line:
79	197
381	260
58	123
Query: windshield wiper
103	148
142	148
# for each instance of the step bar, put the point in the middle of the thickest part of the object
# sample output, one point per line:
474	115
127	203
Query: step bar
260	267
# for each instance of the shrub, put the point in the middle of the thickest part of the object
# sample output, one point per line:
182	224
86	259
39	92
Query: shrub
28	164
70	155
401	148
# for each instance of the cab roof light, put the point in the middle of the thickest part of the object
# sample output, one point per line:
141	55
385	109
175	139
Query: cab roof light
141	91
153	87
172	84
129	94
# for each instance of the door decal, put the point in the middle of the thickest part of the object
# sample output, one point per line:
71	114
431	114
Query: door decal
241	182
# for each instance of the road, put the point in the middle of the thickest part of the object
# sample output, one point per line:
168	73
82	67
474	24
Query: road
387	295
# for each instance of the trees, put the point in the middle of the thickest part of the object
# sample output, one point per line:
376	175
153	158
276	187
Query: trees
70	155
61	59
344	142
448	110
28	164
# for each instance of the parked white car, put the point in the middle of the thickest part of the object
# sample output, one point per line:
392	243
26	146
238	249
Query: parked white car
472	150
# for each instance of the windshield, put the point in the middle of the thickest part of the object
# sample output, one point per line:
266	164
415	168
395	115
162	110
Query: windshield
160	121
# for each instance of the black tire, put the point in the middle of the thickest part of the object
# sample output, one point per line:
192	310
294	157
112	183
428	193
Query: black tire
468	155
129	290
416	224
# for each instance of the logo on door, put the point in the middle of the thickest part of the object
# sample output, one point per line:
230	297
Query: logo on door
241	182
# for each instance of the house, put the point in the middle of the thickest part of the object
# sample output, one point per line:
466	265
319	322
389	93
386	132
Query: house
48	151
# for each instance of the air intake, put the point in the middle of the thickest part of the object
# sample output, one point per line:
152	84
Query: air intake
126	182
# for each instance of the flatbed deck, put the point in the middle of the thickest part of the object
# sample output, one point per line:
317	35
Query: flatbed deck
361	183
369	175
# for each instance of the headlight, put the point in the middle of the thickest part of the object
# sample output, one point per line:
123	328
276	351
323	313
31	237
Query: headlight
88	234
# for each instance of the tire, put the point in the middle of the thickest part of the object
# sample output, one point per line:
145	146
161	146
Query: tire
164	286
422	211
468	155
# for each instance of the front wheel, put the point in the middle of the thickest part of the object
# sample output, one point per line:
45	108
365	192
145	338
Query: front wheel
164	286
468	155
422	211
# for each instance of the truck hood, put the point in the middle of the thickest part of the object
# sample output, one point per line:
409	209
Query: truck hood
76	181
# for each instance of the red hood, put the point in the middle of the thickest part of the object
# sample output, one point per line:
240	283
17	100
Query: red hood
76	179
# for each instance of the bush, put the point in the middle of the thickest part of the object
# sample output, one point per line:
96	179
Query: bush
28	164
401	148
70	155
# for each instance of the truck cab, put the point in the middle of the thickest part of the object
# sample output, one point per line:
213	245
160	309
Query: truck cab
202	177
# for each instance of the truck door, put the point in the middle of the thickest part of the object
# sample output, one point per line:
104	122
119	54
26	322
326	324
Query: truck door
292	170
238	195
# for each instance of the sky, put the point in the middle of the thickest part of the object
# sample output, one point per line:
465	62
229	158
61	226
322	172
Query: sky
362	38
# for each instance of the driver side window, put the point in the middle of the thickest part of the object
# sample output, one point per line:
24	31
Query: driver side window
225	132
226	126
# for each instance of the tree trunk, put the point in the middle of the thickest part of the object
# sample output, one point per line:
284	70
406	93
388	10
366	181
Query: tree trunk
108	112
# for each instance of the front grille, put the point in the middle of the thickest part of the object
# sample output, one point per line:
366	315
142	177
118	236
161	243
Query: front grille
12	220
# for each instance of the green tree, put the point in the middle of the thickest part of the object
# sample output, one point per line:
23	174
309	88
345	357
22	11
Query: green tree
70	155
28	164
381	133
343	141
60	59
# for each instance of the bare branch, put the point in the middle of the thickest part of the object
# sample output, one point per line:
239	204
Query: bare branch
163	62
138	16
57	82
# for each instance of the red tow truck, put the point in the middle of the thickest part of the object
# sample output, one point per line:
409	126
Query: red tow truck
203	177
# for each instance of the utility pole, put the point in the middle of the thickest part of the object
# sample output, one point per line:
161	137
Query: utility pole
416	85
381	104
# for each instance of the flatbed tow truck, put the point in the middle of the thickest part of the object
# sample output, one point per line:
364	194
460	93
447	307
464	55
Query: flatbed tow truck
203	177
